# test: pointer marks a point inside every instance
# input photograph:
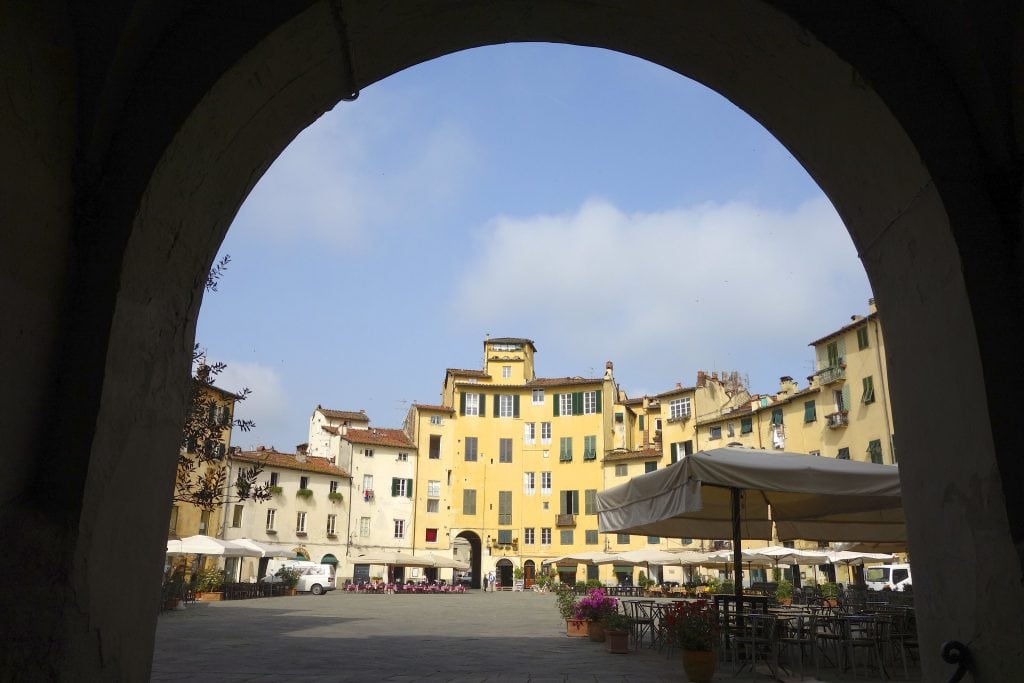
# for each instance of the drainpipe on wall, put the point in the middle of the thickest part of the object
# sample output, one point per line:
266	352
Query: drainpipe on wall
885	393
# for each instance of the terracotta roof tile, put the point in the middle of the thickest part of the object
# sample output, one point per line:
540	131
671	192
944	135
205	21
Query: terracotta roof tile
287	460
379	437
642	454
466	373
746	409
562	381
846	328
358	416
677	390
329	429
510	340
427	406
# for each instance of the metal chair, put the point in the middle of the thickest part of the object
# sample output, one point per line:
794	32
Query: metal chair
757	640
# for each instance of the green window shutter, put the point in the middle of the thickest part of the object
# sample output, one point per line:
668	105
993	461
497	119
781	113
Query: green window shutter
556	403
469	502
497	403
394	486
577	403
746	425
575	500
597	400
563	502
590	502
846	396
674	452
483	406
810	413
408	488
641	418
650	466
869	389
515	406
776	416
462	403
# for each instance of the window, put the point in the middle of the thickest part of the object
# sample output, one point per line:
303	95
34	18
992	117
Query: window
590	502
433	505
862	338
529	483
431	536
504	450
508	406
869	389
679	408
566	537
622	539
545	483
528	536
810	411
236	517
368	452
434	488
470	449
300	522
504	537
653	539
435	446
564	404
657	424
591	537
332	523
730	429
650	466
618	418
333	486
538	397
590	448
435	419
875	451
776	416
504	507
399	528
204	521
368	482
506	371
271	518
273	478
173	524
590	403
815	453
401	488
622	470
678	449
569	502
565	449
746	425
364	526
832	353
530	433
403	457
472	404
545	433
640	422
469	502
843	454
303	482
545	535
715	433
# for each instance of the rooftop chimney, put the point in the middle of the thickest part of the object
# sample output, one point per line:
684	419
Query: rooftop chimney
678	385
701	379
872	306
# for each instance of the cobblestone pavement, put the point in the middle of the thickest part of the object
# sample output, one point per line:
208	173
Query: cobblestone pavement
344	637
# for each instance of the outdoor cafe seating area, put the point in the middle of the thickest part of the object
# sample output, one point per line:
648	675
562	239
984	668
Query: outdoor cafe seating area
407	588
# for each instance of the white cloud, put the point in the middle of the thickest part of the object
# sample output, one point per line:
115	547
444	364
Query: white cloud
711	286
267	406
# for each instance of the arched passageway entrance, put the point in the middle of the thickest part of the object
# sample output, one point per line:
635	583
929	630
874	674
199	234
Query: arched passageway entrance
475	547
503	574
529	574
127	166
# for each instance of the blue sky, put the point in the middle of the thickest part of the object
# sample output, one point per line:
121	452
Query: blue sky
600	205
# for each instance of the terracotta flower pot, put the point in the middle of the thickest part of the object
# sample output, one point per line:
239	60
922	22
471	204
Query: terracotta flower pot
576	628
595	629
699	665
617	642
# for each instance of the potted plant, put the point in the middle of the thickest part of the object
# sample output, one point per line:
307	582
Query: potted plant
574	628
304	493
784	592
693	628
209	586
289	578
644	584
335	496
830	594
616	630
274	489
595	607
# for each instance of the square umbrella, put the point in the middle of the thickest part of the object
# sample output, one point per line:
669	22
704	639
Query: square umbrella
739	493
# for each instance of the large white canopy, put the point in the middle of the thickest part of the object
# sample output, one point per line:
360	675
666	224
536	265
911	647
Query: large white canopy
811	498
854	557
648	556
392	557
445	562
586	557
265	549
207	545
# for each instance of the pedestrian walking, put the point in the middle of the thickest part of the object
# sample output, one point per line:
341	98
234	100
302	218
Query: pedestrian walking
485	582
490	579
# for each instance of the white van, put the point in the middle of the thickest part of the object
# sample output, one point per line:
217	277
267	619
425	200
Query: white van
313	578
895	577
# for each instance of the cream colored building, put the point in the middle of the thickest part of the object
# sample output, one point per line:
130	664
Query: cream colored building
308	513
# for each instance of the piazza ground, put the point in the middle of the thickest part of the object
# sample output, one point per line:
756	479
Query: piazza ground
343	637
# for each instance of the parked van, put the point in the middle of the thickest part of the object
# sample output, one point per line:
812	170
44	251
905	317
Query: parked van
895	577
313	578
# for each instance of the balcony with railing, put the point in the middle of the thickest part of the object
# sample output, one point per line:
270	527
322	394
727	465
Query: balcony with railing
832	374
565	520
837	419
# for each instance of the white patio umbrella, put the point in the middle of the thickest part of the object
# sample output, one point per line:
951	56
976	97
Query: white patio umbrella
444	562
588	557
855	558
727	493
393	557
266	549
207	545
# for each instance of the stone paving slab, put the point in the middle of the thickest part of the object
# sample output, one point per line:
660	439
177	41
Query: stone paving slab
471	638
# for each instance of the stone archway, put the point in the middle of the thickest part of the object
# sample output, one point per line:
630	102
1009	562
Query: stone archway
476	555
119	206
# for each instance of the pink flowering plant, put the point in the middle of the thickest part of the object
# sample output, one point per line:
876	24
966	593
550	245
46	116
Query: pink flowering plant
691	626
596	606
